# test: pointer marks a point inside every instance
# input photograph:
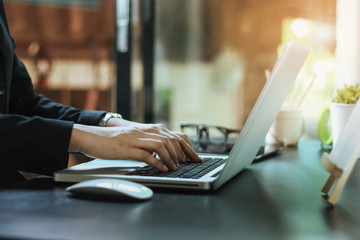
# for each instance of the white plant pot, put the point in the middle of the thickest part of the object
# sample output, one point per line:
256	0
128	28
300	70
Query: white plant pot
339	114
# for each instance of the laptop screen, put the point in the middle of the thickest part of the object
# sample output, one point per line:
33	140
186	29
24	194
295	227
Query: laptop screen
265	109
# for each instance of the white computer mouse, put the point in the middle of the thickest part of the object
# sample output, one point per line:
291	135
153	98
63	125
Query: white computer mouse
111	188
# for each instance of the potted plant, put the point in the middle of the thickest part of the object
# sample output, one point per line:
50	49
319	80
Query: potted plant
341	107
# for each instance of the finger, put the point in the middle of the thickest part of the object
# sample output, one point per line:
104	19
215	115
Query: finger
189	151
187	139
174	137
188	147
175	142
170	147
169	157
184	137
153	145
179	151
149	158
185	150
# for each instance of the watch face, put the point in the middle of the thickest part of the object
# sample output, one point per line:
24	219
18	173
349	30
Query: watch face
115	115
107	117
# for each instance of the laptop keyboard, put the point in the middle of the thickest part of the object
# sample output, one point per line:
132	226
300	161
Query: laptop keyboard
186	170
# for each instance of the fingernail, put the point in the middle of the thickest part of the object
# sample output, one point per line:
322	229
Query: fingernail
165	168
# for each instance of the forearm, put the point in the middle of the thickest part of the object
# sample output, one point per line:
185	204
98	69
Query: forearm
86	139
78	137
99	142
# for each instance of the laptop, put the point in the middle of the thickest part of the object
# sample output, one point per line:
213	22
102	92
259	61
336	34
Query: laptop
216	169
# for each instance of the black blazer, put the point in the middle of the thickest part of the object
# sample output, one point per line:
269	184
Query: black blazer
34	131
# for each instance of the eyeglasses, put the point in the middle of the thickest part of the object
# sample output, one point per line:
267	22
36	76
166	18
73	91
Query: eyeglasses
210	138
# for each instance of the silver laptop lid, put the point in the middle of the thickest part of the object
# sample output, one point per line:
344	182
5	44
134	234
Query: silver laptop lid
265	110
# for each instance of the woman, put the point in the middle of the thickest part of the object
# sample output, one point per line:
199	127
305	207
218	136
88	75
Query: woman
36	134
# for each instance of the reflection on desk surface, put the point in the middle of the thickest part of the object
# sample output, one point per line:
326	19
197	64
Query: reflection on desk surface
277	199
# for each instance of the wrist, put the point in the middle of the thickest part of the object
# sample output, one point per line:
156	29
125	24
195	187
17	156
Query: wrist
83	138
116	122
75	140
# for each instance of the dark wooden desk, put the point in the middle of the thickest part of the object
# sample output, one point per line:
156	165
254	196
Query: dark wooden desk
275	199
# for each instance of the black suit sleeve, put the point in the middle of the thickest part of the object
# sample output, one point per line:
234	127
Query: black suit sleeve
34	144
24	101
36	132
35	135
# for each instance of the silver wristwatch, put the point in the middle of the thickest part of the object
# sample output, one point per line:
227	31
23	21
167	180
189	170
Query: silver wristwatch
106	118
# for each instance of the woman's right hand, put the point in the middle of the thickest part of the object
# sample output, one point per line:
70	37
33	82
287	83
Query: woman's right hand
125	143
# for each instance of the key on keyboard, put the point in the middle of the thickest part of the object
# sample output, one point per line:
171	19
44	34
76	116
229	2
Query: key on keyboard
189	170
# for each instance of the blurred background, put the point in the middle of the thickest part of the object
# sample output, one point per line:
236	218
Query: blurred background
173	61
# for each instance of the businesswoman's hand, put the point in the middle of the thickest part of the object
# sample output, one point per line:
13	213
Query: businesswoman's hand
180	141
133	141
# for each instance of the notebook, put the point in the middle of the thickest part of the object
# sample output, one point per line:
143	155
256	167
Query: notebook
218	168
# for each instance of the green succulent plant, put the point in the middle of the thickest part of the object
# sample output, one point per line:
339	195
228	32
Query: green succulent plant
348	95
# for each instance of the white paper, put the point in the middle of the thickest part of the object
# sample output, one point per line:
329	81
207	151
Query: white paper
101	163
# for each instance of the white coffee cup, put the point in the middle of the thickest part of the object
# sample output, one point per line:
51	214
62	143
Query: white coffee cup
288	126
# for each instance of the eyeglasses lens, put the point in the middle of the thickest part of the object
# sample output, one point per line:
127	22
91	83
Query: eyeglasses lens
193	134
